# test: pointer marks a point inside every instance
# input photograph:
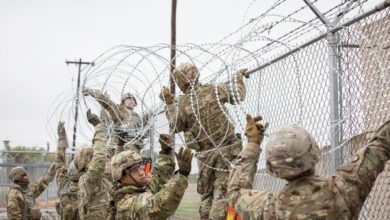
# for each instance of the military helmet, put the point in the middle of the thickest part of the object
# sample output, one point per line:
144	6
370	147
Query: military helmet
291	151
82	158
73	173
128	95
122	161
185	74
17	173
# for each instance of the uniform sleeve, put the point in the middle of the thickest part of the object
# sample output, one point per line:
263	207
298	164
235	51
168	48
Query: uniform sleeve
162	171
172	112
99	159
163	204
14	205
37	188
233	91
61	169
112	108
249	203
367	164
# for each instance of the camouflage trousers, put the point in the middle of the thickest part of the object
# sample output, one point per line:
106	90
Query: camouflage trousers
212	185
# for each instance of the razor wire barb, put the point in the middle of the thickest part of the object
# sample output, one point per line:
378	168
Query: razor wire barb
293	89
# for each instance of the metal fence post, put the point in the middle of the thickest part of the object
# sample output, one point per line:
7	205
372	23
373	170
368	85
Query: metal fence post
334	99
151	142
334	83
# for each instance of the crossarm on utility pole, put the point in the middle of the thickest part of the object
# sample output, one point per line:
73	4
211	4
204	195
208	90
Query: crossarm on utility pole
79	63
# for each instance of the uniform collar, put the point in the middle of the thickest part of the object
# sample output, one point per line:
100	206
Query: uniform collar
124	190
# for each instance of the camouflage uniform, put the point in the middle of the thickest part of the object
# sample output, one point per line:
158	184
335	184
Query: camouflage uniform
67	181
306	196
118	116
94	187
202	115
20	198
158	200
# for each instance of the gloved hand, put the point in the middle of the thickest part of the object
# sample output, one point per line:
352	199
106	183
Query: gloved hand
62	139
87	91
91	92
166	95
166	143
61	129
50	173
255	129
122	136
92	118
242	72
184	158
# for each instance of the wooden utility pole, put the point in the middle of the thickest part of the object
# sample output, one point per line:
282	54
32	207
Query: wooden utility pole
173	47
79	63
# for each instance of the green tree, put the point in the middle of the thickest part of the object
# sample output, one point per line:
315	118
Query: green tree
23	154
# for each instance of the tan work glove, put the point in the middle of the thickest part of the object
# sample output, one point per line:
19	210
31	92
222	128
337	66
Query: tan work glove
50	173
92	118
255	129
92	92
166	96
62	139
184	158
242	72
166	143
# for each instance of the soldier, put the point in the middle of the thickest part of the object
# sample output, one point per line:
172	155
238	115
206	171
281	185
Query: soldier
94	186
22	194
123	117
291	154
153	196
67	179
203	117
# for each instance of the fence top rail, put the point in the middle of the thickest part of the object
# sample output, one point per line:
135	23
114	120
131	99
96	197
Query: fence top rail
379	7
24	165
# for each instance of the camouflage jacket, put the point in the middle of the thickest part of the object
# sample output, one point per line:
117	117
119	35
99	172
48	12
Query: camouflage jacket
67	191
118	116
310	197
20	200
202	115
158	200
61	168
94	188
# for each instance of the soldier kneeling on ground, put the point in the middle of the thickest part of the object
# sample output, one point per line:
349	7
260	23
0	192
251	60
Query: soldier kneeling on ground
291	154
20	198
154	196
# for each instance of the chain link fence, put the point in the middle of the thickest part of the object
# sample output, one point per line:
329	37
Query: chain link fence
340	92
344	108
35	171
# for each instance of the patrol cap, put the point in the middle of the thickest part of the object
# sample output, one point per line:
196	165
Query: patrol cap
17	173
185	74
122	161
128	95
291	151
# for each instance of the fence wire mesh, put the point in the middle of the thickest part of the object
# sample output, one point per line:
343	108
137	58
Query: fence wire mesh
296	88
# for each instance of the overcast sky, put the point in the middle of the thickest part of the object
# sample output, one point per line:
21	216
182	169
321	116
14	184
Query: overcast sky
37	36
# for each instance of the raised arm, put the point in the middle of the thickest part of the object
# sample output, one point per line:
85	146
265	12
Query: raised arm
249	204
164	167
233	91
97	165
61	169
106	103
38	187
172	111
367	164
164	203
